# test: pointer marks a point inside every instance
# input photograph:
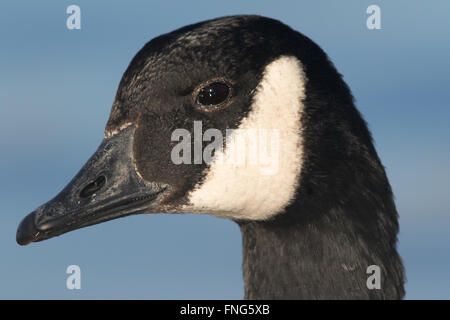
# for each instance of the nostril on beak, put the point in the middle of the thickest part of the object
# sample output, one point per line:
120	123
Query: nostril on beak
93	187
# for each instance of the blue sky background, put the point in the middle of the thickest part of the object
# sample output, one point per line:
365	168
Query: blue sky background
56	90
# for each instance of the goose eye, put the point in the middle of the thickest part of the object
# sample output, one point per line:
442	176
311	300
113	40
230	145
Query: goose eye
213	94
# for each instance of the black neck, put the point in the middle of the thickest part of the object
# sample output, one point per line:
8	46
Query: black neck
322	258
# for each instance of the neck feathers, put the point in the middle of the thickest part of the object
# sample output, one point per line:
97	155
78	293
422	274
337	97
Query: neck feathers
321	255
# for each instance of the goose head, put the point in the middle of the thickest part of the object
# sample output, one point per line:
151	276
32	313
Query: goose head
305	157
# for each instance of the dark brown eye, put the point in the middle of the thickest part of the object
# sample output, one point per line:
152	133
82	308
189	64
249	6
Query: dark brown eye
213	94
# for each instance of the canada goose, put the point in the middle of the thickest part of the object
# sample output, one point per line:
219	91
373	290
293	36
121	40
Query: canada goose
311	229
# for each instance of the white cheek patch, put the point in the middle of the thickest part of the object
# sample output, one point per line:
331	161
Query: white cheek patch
258	191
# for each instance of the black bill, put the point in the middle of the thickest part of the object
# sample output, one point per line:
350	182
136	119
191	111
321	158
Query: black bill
106	188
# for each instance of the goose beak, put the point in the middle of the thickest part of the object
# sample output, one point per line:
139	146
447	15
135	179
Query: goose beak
106	188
